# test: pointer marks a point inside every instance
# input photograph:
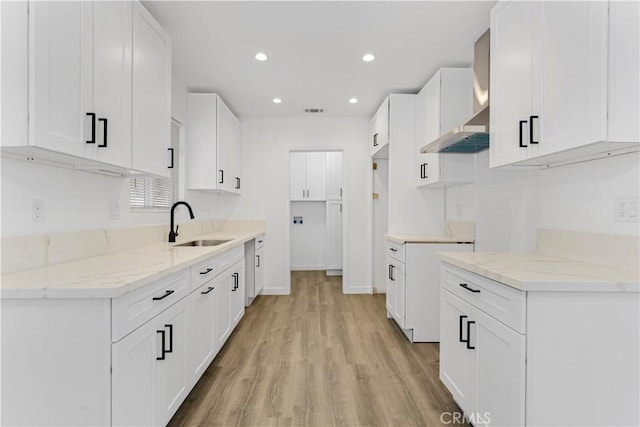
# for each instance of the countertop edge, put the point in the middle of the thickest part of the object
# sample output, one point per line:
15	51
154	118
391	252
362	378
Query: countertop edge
63	292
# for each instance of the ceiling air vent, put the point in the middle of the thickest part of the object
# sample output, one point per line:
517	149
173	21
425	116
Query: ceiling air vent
314	110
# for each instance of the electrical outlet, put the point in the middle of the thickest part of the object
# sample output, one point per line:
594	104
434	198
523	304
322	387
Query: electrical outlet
627	209
37	211
114	211
297	220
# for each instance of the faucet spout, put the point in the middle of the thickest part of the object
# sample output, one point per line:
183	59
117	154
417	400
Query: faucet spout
174	233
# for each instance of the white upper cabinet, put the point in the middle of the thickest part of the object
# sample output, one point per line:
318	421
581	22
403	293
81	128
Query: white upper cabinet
99	86
550	64
379	131
334	175
81	79
151	94
214	144
443	103
307	176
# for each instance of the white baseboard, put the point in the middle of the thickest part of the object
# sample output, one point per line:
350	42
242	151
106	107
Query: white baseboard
358	290
334	272
308	267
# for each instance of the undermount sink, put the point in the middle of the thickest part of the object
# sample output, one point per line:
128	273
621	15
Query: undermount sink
203	243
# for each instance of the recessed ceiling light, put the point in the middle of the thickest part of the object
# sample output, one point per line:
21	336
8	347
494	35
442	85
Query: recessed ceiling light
277	100
261	56
353	101
368	57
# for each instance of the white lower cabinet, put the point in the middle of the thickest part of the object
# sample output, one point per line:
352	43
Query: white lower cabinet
482	364
539	358
334	235
413	287
204	345
236	293
149	369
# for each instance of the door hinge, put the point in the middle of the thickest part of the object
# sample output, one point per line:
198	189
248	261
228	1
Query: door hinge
375	166
376	196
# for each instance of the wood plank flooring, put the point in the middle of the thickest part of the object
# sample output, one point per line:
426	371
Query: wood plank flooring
318	358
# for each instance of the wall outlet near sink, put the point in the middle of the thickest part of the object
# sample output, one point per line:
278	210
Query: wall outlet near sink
627	209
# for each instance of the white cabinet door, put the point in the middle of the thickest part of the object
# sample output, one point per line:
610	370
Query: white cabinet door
334	175
624	71
151	97
514	30
456	360
334	235
391	288
574	76
112	27
237	157
297	176
223	308
133	377
399	283
204	344
500	379
61	78
259	270
172	378
236	300
225	140
316	169
380	128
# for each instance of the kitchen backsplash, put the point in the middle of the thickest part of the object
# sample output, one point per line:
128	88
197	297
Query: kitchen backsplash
27	252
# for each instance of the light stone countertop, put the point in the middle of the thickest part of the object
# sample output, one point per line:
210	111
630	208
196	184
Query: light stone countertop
117	273
536	272
426	238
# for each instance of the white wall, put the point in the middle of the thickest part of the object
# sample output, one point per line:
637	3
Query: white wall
267	142
510	205
309	239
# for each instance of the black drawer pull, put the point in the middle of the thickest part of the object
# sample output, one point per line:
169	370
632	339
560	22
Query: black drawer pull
475	291
162	356
531	141
460	329
469	346
393	249
166	294
207	271
221	177
170	338
171	165
209	289
93	128
104	134
521	134
258	260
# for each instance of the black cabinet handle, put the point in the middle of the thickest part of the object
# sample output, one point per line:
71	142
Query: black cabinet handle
469	346
93	128
235	282
237	276
166	294
170	338
341	192
209	289
375	139
391	270
163	343
460	329
531	141
207	271
258	259
237	183
425	171
521	133
393	249
221	177
422	171
475	291
104	136
171	165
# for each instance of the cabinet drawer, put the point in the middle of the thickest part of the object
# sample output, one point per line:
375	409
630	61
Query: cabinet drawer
133	309
396	251
500	301
229	258
212	267
259	242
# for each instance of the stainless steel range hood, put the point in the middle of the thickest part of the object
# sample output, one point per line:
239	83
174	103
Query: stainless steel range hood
472	135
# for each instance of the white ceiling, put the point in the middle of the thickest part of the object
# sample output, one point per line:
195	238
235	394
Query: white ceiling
315	50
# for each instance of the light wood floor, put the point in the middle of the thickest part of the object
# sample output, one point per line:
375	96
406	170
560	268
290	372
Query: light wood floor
318	358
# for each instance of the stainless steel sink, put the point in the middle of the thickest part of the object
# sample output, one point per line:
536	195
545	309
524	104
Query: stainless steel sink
203	243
